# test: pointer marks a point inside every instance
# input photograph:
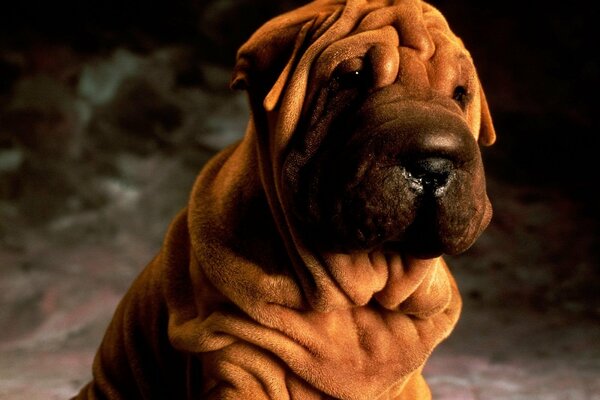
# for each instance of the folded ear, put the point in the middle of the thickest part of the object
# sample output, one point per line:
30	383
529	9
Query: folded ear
265	61
262	58
487	133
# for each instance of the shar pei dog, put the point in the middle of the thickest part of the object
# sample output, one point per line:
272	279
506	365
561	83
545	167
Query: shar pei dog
307	263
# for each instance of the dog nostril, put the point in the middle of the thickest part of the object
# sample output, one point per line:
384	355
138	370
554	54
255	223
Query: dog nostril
430	175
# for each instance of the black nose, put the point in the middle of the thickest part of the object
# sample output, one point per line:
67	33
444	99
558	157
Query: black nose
430	175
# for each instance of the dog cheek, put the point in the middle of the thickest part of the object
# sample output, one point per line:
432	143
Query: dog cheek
384	206
462	219
488	213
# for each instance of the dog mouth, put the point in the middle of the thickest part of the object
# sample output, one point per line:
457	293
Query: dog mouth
423	207
421	210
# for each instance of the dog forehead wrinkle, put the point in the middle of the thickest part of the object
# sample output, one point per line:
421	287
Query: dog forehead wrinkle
407	17
354	46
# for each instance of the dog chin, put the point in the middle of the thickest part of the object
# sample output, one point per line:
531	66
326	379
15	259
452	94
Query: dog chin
418	241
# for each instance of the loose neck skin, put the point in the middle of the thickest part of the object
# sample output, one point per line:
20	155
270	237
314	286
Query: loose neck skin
366	321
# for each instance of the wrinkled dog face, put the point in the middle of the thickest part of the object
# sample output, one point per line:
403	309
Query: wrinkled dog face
386	153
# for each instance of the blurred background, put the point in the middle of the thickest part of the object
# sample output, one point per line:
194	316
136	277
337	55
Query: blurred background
109	109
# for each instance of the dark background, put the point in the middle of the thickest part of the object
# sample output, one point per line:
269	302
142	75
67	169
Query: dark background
108	109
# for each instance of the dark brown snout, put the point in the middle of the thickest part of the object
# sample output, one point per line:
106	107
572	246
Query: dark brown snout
428	141
395	173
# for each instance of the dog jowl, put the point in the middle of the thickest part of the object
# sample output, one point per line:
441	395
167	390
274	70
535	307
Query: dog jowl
308	262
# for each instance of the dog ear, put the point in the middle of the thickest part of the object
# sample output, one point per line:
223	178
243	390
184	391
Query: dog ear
487	133
265	61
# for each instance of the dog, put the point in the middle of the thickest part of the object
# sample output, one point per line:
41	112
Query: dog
308	262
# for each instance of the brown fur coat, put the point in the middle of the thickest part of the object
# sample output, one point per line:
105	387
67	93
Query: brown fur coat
238	304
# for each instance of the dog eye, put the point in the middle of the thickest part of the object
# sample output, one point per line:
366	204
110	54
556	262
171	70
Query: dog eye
349	80
461	95
351	74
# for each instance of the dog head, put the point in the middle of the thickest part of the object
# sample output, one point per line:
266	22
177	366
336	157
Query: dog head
369	115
